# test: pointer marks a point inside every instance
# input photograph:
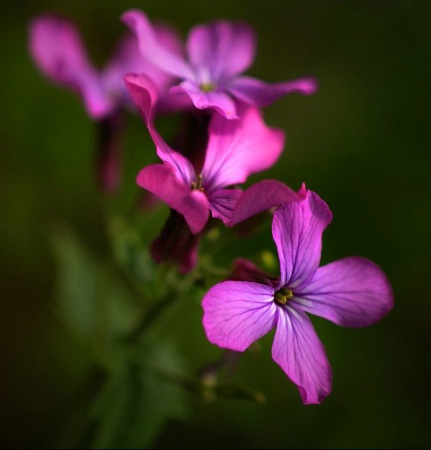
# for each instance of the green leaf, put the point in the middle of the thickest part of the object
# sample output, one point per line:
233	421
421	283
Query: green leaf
78	287
92	299
130	252
136	401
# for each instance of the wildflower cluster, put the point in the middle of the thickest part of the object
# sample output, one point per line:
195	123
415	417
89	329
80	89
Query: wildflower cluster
224	139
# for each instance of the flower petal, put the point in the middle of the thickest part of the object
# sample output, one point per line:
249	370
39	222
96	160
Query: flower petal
220	49
222	203
237	313
352	292
57	49
127	58
297	230
264	195
144	94
299	352
258	93
239	148
152	47
217	100
162	181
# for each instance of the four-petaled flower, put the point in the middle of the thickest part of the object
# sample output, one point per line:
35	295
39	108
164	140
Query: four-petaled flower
235	150
352	292
217	54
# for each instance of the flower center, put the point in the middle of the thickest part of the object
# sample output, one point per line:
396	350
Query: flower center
198	184
208	87
282	295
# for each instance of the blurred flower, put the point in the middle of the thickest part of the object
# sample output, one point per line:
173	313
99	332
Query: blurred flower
57	49
352	292
217	54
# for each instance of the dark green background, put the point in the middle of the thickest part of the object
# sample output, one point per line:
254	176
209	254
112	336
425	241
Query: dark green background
362	143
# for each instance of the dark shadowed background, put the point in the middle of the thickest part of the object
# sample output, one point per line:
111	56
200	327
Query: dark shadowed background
362	143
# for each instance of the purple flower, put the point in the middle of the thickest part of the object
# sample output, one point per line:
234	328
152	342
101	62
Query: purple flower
56	47
217	55
352	292
235	150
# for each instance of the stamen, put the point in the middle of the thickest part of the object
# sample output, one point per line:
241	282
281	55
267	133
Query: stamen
197	184
282	296
287	293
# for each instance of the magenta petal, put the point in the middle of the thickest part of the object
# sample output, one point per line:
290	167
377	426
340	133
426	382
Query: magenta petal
144	94
217	100
127	58
152	47
258	93
264	195
220	49
297	230
352	292
222	203
161	180
237	313
57	49
301	355
236	149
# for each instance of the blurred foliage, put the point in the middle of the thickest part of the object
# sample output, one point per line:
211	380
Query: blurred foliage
362	143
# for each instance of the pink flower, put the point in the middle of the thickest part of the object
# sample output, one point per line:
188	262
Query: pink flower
57	49
352	292
235	150
217	55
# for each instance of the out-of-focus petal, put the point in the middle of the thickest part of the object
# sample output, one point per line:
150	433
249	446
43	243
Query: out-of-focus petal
236	149
144	94
217	99
222	203
301	355
297	230
57	49
152	47
162	181
352	292
237	313
220	49
264	195
258	93
174	102
127	58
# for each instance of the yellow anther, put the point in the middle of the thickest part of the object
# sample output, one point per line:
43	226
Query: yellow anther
197	184
287	293
282	296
